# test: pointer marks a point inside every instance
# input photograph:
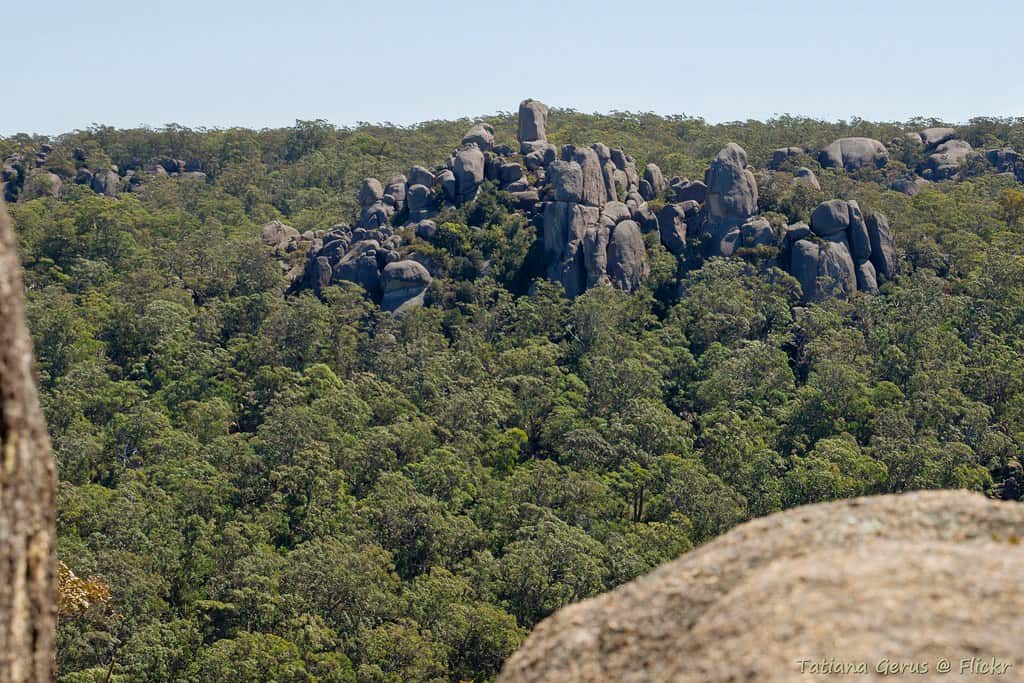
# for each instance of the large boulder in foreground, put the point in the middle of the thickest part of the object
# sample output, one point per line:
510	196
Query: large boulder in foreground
906	579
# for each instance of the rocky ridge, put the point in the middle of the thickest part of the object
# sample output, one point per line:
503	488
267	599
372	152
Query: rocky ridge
592	207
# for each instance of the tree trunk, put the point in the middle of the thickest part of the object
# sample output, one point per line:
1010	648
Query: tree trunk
28	605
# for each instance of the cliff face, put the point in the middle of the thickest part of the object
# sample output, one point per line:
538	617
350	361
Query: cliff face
884	588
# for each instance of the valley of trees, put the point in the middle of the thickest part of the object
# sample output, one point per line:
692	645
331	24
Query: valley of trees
261	486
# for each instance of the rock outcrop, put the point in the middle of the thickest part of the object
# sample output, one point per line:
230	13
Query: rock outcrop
945	160
853	154
403	284
837	255
903	580
533	125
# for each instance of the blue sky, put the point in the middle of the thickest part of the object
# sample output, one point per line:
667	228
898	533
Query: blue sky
222	63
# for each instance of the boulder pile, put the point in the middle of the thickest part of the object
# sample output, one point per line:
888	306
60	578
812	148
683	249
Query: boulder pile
596	213
885	588
591	208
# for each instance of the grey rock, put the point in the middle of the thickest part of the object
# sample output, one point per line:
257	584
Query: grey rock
620	181
672	228
543	155
106	183
566	178
933	137
509	173
1005	160
908	186
526	200
420	200
595	255
521	185
371	192
481	135
418	175
375	215
277	235
690	207
784	154
837	271
426	229
469	173
318	273
866	279
645	217
564	226
614	213
403	284
655	179
360	265
732	190
687	191
860	242
945	161
757	232
446	179
646	191
594	191
83	176
803	265
396	190
627	257
805	176
533	118
883	246
173	165
830	218
854	153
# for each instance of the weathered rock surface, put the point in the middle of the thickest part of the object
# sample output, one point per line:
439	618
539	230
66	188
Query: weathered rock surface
594	189
784	154
481	135
732	198
469	173
655	181
908	186
566	179
533	122
909	578
370	192
854	153
277	235
403	284
627	257
945	161
933	137
106	182
805	176
883	246
672	228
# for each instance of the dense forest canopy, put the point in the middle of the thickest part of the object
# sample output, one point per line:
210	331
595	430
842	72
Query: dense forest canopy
264	485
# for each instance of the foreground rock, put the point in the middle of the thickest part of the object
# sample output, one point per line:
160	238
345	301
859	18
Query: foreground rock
901	579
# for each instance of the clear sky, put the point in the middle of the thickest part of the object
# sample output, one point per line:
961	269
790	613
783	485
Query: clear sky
219	63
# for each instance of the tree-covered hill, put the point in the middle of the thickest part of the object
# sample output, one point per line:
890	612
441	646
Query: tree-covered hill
263	482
